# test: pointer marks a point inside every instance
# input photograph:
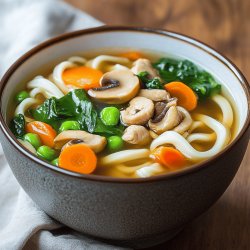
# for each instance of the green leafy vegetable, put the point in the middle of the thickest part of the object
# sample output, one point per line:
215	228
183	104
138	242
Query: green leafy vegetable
74	106
154	83
202	83
17	126
105	130
77	104
47	112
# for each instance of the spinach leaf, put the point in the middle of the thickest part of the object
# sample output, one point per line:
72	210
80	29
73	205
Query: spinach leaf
77	106
154	83
202	83
105	130
47	112
17	126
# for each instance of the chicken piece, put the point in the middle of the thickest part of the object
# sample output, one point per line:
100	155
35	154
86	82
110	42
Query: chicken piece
136	134
142	65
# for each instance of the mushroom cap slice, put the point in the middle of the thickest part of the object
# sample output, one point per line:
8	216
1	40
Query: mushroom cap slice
129	86
95	142
172	118
139	111
136	134
155	95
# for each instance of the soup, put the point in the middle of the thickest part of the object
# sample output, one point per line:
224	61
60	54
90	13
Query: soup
124	114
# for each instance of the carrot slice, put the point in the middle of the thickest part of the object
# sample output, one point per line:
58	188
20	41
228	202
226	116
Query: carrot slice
169	157
132	55
46	133
186	96
78	158
82	77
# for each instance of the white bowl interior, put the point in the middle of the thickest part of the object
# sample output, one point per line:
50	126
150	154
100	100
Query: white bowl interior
172	45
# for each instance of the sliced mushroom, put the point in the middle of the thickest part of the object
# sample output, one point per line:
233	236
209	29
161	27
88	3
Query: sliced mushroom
139	111
161	109
136	134
186	122
142	65
124	85
72	142
95	142
171	119
155	95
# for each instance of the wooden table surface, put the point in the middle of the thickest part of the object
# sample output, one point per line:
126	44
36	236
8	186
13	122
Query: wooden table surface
224	25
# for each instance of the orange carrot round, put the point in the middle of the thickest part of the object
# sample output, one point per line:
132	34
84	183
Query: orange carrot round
78	158
132	55
82	77
46	133
186	96
169	157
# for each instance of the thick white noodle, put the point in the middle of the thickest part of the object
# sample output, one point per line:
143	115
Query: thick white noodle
41	85
150	170
227	120
57	75
195	125
117	67
23	107
201	137
175	139
186	122
205	137
226	109
125	169
28	146
124	156
36	91
77	59
99	60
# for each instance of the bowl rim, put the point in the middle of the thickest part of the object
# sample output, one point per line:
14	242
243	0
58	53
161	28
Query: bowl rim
104	29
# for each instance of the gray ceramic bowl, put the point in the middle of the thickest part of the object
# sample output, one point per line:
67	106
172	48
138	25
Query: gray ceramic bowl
136	212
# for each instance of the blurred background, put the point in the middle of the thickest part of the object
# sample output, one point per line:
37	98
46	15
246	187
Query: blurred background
223	24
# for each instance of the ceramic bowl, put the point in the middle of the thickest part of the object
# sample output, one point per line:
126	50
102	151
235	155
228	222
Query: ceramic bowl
134	212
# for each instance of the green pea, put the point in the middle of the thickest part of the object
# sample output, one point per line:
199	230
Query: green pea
115	143
21	96
46	153
33	139
69	125
55	162
110	116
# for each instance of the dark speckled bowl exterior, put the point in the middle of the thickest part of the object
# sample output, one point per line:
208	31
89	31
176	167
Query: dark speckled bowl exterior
129	212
